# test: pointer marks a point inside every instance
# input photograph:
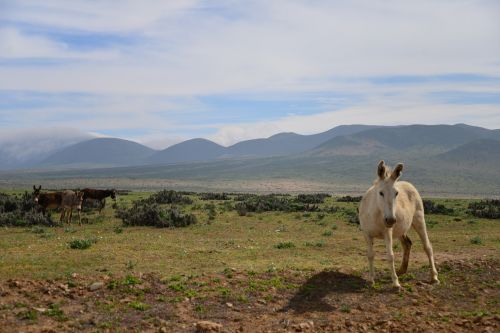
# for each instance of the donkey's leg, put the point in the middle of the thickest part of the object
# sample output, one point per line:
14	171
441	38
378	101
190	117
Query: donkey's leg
390	256
79	218
420	228
70	215
371	255
61	219
406	243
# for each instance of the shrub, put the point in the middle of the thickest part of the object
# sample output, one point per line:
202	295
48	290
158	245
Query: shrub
285	245
20	211
170	197
348	198
81	244
431	208
214	196
312	198
272	202
144	212
352	216
476	240
489	209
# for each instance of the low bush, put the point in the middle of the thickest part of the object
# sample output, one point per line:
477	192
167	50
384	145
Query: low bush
348	198
312	198
272	202
146	213
21	211
432	208
214	196
170	197
81	244
489	209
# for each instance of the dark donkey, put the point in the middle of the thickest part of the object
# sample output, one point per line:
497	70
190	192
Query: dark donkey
47	200
99	195
66	200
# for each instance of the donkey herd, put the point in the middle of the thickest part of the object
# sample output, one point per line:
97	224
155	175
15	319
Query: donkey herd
68	200
387	210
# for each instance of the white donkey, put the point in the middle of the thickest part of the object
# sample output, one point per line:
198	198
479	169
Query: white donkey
388	209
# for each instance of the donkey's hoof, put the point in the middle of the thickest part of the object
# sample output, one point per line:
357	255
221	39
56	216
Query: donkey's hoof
435	281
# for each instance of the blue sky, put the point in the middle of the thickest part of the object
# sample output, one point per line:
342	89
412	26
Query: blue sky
160	72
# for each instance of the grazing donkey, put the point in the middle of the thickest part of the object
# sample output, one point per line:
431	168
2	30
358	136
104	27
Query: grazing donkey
99	195
388	209
71	200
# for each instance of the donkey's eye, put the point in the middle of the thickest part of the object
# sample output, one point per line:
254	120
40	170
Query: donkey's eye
397	194
381	193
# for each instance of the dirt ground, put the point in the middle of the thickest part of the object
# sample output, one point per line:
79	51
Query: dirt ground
467	300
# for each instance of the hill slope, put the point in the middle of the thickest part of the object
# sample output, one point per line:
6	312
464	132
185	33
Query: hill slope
100	152
188	151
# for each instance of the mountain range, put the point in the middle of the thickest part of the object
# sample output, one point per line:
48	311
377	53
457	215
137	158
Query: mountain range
452	158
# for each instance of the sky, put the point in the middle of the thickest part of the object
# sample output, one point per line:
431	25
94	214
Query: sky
159	72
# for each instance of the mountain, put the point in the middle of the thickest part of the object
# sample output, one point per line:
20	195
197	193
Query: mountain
480	152
100	152
188	151
290	143
276	145
406	140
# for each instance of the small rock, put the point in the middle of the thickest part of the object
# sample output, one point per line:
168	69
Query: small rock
41	310
206	326
96	285
229	305
348	323
163	329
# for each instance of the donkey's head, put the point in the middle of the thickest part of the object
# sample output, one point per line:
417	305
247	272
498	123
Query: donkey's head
36	193
386	192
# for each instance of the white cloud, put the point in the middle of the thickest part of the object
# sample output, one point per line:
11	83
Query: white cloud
184	49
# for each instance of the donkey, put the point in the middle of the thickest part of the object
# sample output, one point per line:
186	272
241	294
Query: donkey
71	200
388	209
99	195
46	200
64	200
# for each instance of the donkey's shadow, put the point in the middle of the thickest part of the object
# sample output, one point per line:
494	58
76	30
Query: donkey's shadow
311	295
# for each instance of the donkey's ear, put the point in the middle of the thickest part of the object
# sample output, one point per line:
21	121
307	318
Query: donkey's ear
39	187
398	170
34	188
381	170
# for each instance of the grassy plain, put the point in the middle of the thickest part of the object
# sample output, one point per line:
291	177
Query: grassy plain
245	262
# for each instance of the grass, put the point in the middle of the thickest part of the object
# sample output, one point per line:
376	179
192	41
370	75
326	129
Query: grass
231	241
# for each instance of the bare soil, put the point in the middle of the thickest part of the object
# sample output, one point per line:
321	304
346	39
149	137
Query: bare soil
467	300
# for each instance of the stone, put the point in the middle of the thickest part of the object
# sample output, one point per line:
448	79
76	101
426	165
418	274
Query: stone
206	326
96	285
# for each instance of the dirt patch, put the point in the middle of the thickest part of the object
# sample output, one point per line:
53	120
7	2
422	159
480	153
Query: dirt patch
284	301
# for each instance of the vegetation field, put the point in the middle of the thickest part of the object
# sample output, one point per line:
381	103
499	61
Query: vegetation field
248	263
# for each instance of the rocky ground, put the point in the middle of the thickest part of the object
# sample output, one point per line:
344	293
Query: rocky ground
467	300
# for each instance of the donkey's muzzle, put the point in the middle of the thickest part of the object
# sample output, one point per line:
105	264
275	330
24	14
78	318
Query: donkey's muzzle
390	221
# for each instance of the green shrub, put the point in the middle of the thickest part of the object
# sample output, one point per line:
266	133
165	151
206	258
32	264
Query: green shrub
489	209
81	244
476	240
431	208
145	213
285	245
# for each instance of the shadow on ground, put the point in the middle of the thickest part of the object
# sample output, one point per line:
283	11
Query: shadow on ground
311	295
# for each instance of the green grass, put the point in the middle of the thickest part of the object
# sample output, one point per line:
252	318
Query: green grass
262	242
